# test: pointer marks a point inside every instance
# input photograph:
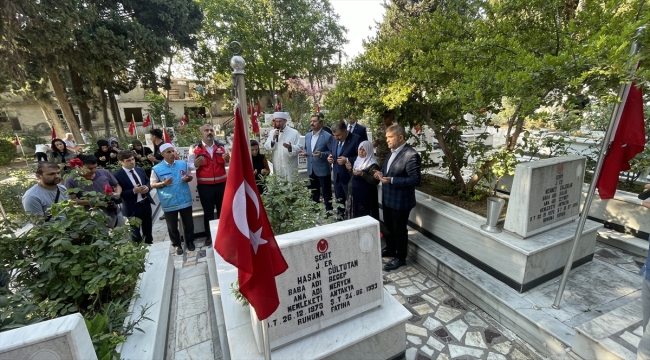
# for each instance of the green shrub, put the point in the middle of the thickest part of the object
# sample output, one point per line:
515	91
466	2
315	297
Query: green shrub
7	152
12	191
289	206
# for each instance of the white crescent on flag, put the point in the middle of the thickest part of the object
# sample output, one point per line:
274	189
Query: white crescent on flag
239	214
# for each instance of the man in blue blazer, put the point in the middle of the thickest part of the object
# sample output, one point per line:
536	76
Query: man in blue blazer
399	177
357	129
135	195
344	147
317	150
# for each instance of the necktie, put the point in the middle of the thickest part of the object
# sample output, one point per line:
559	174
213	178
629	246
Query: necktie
135	178
338	149
350	128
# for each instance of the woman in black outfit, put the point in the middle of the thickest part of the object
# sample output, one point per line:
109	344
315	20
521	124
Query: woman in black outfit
260	166
364	185
60	154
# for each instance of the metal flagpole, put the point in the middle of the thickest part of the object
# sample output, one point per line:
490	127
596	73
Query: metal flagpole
237	63
607	140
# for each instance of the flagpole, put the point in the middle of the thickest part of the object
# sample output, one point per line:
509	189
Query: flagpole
21	149
238	63
623	92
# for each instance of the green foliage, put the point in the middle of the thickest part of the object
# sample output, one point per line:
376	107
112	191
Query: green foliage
30	141
298	101
289	206
17	310
280	39
234	289
157	108
7	152
190	133
11	192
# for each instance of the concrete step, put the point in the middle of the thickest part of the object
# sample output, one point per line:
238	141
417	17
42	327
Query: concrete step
613	335
623	241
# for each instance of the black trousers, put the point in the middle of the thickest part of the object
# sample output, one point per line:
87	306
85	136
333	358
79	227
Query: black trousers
142	211
321	185
211	196
41	155
341	192
397	238
171	218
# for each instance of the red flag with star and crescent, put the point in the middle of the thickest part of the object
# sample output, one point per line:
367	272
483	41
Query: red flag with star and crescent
244	237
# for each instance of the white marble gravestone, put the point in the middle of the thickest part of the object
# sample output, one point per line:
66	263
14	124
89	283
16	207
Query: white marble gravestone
334	274
62	338
545	194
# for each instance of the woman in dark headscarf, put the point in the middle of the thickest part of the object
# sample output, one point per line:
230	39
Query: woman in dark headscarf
104	154
140	153
260	165
59	153
114	144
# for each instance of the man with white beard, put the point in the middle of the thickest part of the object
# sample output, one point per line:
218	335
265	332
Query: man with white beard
283	143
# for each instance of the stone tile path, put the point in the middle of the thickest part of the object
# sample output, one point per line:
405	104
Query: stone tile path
193	325
445	325
618	257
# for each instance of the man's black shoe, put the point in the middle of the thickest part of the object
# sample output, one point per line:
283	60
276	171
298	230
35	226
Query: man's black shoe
179	250
386	253
208	241
394	264
190	246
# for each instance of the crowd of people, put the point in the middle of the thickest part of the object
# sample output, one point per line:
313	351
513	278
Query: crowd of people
343	167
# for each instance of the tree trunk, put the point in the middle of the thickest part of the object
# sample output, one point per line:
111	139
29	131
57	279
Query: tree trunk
115	110
66	109
51	117
107	122
80	98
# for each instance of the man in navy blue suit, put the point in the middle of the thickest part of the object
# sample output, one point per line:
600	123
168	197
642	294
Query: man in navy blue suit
317	149
344	150
355	128
399	177
135	195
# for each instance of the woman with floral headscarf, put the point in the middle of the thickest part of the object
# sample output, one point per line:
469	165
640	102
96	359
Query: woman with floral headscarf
364	185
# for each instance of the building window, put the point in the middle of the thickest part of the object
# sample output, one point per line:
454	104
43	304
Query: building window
59	114
136	113
12	118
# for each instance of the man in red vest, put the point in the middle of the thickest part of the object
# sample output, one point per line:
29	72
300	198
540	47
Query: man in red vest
209	158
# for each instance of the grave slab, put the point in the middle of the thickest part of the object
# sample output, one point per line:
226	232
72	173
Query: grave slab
352	259
545	194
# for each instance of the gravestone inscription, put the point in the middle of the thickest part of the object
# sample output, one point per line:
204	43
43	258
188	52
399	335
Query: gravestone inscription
545	194
334	274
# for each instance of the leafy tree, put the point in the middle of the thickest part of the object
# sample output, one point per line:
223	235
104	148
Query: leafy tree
437	65
280	39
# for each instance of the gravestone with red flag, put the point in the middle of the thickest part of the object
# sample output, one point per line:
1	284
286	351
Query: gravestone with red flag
629	140
244	237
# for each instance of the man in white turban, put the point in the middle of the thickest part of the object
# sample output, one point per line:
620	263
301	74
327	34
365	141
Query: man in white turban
283	142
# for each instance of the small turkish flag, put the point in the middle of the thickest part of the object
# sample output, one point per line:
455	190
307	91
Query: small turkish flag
146	121
132	126
53	133
254	114
184	120
166	136
16	140
245	238
317	108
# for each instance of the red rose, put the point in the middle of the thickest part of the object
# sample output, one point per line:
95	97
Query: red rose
108	189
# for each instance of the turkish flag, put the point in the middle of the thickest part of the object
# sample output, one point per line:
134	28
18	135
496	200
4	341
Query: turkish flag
147	120
245	238
317	108
16	141
53	133
166	136
184	120
132	126
254	114
629	140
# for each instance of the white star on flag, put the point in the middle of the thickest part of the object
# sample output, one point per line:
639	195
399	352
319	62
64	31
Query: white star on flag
256	239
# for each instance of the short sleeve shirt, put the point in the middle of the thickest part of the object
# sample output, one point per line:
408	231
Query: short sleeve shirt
38	200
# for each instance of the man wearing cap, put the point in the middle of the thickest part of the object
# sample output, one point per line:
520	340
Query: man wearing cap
283	142
209	158
379	136
170	177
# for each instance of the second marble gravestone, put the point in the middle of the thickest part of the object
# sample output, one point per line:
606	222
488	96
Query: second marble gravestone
334	274
545	194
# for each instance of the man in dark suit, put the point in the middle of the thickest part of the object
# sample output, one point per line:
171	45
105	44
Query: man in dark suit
355	128
399	177
344	150
317	149
135	195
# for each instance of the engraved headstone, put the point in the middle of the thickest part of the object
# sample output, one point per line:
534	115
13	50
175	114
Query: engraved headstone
545	194
334	274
